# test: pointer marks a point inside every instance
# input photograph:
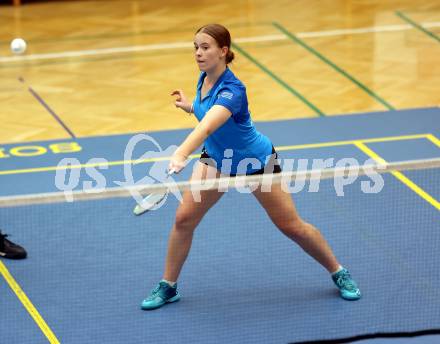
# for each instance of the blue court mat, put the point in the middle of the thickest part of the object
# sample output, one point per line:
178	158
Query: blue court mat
91	263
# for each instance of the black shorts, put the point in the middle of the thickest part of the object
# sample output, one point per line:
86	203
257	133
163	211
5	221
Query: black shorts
273	166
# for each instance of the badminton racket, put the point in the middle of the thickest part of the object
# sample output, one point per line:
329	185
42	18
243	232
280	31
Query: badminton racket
152	200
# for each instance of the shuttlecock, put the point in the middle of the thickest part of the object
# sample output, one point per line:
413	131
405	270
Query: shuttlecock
18	46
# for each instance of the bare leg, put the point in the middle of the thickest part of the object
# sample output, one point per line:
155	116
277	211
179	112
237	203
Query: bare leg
188	216
281	210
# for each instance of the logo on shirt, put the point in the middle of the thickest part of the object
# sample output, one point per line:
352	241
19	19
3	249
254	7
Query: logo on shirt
226	94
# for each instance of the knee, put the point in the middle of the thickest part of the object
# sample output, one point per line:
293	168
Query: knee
184	221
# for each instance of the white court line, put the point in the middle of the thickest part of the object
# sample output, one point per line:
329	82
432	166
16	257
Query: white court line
186	45
374	29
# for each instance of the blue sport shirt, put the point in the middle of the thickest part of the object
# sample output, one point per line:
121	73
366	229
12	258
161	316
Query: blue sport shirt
236	146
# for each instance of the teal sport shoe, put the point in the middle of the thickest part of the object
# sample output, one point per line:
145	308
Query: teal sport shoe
347	286
162	294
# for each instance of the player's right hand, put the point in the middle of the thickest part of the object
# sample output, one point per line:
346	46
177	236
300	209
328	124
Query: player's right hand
177	163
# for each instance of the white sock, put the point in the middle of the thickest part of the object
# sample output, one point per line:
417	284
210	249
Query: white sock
172	284
339	269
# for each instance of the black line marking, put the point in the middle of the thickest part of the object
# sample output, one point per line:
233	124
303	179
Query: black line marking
373	336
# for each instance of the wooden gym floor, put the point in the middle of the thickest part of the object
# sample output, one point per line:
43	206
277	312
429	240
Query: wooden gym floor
106	67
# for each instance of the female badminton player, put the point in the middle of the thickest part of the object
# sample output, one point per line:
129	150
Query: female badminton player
226	130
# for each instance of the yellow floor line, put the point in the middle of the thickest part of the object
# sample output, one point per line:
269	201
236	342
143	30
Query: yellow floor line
350	142
28	305
193	156
433	139
400	176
